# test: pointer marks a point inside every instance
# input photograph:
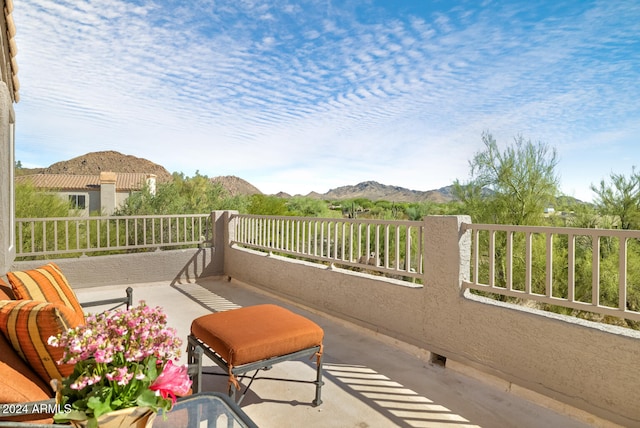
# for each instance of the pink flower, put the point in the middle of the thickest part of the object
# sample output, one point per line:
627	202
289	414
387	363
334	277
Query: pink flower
173	380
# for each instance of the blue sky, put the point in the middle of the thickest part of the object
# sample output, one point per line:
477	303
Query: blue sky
300	96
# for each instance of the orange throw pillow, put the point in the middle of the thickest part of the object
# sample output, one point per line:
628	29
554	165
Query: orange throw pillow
28	324
44	284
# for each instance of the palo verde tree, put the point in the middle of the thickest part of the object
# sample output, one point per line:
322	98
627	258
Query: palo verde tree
513	186
618	204
32	203
620	199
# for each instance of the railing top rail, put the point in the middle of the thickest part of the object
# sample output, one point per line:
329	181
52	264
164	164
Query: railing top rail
554	230
111	217
396	249
94	234
331	219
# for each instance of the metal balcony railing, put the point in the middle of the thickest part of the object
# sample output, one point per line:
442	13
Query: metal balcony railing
580	269
388	247
82	235
594	270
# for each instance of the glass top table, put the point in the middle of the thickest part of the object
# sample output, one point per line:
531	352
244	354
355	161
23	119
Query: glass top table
206	409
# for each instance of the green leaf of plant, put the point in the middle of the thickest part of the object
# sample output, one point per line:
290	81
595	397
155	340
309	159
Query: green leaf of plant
80	404
165	404
152	369
100	406
72	415
147	398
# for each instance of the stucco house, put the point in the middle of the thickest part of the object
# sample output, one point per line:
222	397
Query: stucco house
102	193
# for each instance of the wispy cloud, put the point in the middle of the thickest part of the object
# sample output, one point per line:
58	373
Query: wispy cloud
302	96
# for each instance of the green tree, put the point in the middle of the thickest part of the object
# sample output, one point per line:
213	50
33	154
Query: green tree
309	207
510	187
238	203
418	210
620	198
182	195
355	208
31	203
267	205
513	187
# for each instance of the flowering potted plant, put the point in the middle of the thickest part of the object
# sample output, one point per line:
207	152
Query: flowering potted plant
124	359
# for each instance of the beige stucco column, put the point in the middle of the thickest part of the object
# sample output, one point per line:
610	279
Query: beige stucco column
223	234
7	165
150	180
448	251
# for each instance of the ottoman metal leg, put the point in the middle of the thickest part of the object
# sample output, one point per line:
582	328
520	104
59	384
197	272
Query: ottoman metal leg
194	363
318	382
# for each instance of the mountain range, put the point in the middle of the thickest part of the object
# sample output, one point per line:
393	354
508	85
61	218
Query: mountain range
374	191
95	162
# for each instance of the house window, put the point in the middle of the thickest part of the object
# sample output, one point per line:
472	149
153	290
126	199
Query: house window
77	202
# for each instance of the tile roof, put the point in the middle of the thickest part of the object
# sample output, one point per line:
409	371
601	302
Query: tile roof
13	48
125	181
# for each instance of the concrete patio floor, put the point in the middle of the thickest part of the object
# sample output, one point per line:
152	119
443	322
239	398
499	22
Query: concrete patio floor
370	380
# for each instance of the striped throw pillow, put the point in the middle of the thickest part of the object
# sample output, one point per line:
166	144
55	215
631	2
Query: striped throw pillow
6	293
45	284
28	324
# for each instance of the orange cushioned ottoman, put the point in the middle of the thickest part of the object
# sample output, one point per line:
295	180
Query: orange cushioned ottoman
254	338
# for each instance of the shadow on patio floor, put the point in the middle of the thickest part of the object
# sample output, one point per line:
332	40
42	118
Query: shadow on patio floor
369	381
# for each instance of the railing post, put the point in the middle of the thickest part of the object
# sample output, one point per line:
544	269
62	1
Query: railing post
447	253
222	236
447	257
229	227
